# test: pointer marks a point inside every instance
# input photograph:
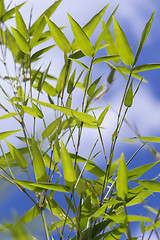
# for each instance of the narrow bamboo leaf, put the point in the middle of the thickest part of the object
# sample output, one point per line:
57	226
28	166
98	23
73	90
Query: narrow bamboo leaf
2	8
144	36
92	193
49	89
94	169
123	47
146	67
10	160
21	26
84	117
37	54
153	226
30	214
37	110
7	133
121	218
37	33
47	13
56	209
8	115
122	181
48	162
68	169
118	70
149	139
71	82
60	224
38	164
115	233
139	197
39	187
139	171
56	150
129	96
90	26
104	31
7	15
128	70
12	43
80	63
110	44
106	59
50	128
81	38
17	156
21	93
58	36
93	86
29	110
103	114
43	77
70	204
21	41
76	55
152	185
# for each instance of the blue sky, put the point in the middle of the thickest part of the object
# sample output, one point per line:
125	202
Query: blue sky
145	113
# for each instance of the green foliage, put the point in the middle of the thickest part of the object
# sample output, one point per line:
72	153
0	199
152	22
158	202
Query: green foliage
92	199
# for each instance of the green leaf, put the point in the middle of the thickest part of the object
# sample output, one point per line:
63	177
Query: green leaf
21	41
7	133
93	86
7	15
30	214
139	171
103	114
12	45
38	164
122	180
50	128
106	59
81	38
153	226
17	156
104	31
118	70
58	36
129	97
43	77
39	187
8	115
146	67
152	185
68	169
47	13
37	110
149	139
84	117
49	89
37	54
56	150
31	111
128	70
10	160
2	8
71	82
115	234
90	26
138	196
21	26
123	47
80	63
144	36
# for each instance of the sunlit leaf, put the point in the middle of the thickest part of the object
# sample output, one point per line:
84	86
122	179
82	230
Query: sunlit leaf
149	139
39	187
12	45
17	156
2	8
37	54
103	114
7	15
21	26
7	133
71	82
68	169
58	36
56	150
81	38
93	86
146	67
115	233
38	164
50	128
152	185
30	214
8	115
84	117
129	96
80	63
122	180
37	110
21	41
123	47
144	36
106	59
